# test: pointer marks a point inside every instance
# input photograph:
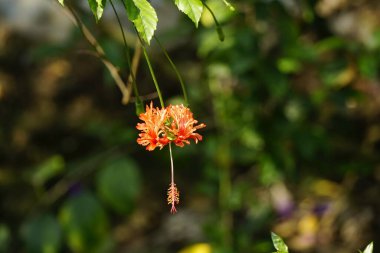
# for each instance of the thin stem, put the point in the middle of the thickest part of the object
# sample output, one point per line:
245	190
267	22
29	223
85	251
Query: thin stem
218	27
175	70
135	64
153	76
171	164
150	67
132	67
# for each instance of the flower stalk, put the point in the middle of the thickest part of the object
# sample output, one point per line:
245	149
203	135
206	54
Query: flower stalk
164	126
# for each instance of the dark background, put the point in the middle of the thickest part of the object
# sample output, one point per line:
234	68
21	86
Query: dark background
291	100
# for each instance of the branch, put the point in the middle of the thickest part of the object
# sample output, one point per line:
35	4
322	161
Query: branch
124	88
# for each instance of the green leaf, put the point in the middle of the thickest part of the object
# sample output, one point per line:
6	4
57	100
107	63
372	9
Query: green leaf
192	8
48	169
118	184
279	244
97	8
42	234
61	2
146	20
85	223
131	9
369	248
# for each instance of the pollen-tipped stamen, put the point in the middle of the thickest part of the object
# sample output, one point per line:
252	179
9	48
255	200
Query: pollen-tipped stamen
173	197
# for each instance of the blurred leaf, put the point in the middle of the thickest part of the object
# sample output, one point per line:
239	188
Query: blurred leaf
97	8
269	173
48	169
132	10
369	248
337	73
288	65
118	183
368	65
331	43
197	248
293	110
279	244
84	222
146	20
4	238
43	235
61	2
192	8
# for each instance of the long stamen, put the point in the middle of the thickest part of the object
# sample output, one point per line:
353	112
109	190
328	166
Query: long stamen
173	193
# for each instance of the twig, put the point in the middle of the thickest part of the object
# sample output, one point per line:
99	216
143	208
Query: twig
124	88
135	62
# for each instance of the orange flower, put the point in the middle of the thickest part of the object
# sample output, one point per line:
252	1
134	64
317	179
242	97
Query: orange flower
153	134
183	125
172	124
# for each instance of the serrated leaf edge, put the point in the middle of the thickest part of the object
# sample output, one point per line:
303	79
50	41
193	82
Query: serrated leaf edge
192	13
152	21
97	12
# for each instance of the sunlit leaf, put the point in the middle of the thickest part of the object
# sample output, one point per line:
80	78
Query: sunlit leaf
369	248
84	222
146	19
131	9
42	234
97	8
118	183
192	8
48	169
279	244
61	2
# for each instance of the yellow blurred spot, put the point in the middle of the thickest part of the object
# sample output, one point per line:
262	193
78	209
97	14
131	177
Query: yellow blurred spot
197	248
345	77
308	224
326	188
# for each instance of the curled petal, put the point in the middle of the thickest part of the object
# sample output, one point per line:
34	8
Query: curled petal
183	125
152	132
171	124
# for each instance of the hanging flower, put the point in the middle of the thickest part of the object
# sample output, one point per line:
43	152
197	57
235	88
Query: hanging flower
174	123
160	127
183	125
152	133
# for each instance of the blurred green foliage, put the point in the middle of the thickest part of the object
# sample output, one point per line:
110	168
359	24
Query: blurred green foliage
291	103
119	184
